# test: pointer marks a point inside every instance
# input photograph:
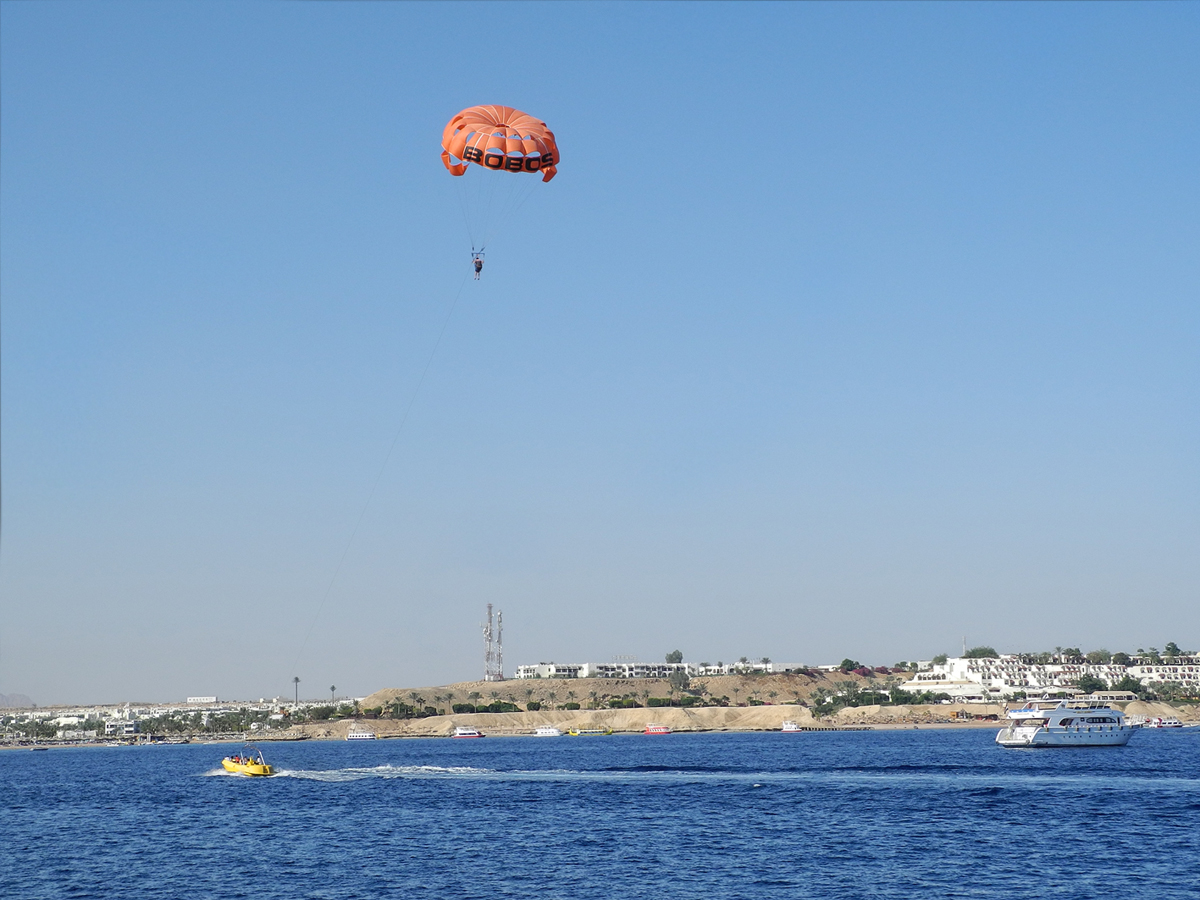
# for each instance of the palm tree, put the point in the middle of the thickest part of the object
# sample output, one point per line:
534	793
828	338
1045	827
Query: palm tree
891	684
553	698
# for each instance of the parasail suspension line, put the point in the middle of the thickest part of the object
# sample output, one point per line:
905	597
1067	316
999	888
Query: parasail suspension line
379	475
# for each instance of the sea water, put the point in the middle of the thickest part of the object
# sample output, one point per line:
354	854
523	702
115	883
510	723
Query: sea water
881	814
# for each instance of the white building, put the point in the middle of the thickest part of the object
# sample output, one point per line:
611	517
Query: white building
964	678
605	670
549	670
1184	670
646	670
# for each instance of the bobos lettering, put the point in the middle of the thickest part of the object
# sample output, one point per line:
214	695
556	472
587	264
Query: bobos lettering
495	160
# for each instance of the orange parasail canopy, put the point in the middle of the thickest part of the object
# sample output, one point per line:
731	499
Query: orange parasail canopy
501	138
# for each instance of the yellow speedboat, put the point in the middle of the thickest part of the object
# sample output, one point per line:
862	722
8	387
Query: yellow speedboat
249	762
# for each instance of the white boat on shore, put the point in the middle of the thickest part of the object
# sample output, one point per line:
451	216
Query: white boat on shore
357	734
790	726
547	731
462	731
1065	723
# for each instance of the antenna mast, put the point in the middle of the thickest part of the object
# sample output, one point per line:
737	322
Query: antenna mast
493	646
499	645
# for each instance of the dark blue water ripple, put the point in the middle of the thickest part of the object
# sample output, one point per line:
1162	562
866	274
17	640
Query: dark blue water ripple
899	814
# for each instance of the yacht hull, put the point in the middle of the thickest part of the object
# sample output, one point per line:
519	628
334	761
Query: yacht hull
1044	737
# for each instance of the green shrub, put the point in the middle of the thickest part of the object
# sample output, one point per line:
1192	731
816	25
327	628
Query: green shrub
1129	683
981	653
533	705
500	706
1089	684
571	705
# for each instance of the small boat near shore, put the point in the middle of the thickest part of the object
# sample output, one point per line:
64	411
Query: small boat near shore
248	762
1065	723
656	728
547	731
589	732
357	734
462	731
790	726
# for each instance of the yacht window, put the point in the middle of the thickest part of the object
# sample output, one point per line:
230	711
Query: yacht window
1065	722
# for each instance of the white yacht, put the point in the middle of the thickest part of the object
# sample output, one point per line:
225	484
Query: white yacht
1160	722
548	731
1065	723
357	734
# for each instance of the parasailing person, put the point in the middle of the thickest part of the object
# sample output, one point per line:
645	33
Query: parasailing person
495	144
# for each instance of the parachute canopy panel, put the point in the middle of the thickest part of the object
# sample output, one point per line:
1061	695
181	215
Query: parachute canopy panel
500	138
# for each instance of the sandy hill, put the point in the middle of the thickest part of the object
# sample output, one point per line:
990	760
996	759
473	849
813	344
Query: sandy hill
739	689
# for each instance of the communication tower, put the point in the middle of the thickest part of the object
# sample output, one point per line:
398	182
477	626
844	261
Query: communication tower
493	646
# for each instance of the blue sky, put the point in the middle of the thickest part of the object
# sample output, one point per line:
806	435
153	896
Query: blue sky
844	330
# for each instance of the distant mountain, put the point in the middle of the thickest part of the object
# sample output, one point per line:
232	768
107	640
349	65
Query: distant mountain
15	701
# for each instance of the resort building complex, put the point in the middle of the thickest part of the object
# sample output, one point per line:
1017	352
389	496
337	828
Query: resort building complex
634	669
961	678
1006	675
